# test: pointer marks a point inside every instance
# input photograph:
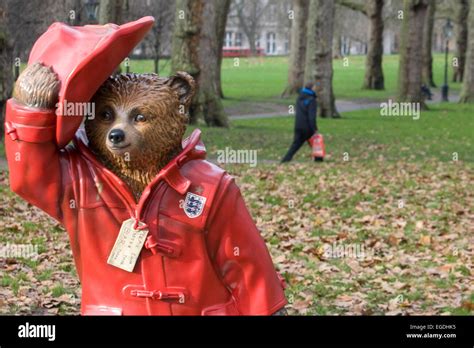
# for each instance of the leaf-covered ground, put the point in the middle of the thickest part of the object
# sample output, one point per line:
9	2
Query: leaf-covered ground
47	283
349	238
407	230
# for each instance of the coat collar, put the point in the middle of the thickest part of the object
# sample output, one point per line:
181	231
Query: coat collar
193	148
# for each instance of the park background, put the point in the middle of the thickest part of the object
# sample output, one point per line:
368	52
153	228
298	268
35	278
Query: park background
396	188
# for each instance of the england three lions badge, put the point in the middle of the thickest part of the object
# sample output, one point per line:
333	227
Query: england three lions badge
193	205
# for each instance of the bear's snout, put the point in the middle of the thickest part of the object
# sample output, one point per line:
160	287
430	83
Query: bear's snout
116	136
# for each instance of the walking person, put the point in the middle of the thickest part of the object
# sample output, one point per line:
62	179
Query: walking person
305	120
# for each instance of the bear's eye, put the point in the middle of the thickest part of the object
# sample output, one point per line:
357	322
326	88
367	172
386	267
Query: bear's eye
139	118
106	116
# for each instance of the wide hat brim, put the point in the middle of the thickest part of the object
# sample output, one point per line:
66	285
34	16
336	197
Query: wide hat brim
83	58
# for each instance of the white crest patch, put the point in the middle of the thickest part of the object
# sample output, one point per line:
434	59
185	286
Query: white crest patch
193	205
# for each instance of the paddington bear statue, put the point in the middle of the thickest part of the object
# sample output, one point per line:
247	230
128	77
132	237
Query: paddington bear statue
154	228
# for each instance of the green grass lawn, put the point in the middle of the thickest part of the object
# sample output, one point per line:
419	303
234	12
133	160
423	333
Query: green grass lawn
438	133
264	79
363	134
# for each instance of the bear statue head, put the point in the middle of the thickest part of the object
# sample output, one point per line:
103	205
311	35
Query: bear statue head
139	123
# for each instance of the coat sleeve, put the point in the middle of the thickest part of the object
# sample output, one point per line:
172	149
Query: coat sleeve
33	157
240	256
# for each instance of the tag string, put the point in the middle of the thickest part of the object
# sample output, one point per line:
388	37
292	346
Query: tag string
137	227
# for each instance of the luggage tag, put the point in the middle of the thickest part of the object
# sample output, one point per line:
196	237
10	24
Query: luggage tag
128	246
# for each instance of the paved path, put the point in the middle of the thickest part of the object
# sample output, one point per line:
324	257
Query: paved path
341	106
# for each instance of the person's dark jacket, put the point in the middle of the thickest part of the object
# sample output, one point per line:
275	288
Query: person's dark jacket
306	112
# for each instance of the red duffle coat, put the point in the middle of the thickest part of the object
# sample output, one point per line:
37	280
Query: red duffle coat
215	263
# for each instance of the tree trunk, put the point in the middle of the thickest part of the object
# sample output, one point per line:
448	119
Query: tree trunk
157	31
373	65
195	50
6	60
75	5
297	57
110	11
427	45
318	63
467	92
251	31
250	13
222	9
373	9
411	42
253	48
337	45
461	40
156	59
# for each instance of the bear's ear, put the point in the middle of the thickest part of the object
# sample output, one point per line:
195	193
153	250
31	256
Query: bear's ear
184	85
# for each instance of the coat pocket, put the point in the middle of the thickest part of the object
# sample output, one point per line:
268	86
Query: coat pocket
228	308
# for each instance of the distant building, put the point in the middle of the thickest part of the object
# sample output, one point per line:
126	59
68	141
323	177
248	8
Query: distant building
272	29
269	39
390	41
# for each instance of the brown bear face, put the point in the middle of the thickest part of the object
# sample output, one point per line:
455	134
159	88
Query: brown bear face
139	122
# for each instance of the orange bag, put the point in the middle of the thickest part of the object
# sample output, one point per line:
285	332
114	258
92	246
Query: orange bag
318	151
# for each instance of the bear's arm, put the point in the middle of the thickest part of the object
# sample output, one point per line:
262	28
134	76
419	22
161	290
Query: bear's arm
34	159
240	255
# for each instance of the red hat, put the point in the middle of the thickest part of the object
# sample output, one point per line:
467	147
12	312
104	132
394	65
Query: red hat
84	57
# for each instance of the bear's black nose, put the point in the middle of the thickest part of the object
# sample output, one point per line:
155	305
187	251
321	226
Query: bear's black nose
116	136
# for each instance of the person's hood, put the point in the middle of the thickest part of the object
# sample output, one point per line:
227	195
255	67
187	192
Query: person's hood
306	91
